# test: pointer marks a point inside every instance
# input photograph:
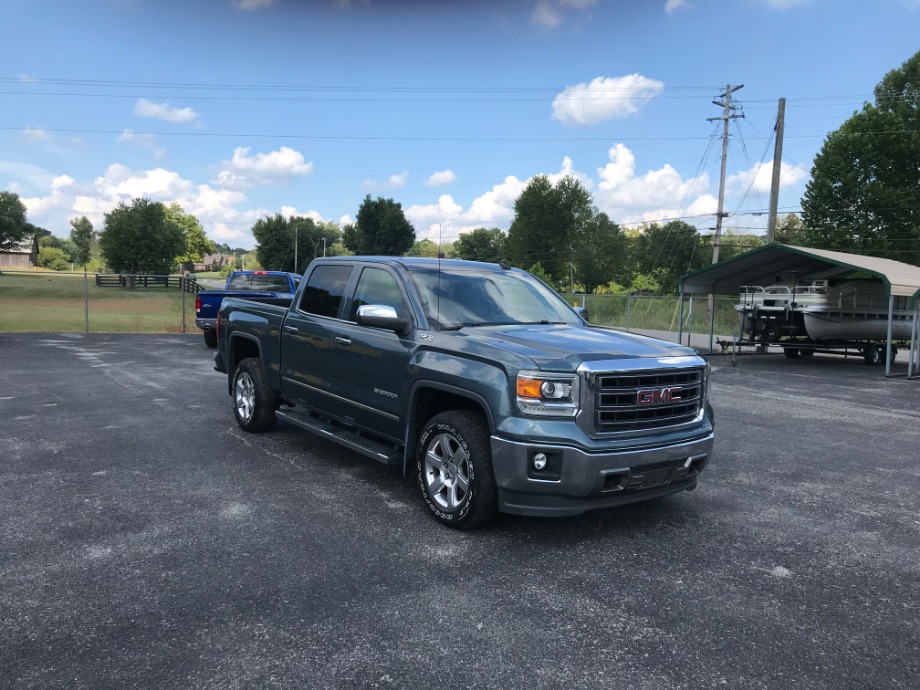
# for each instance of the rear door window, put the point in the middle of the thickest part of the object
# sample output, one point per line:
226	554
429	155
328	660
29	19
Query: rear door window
325	288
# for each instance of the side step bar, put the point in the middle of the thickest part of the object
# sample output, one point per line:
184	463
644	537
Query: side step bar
368	447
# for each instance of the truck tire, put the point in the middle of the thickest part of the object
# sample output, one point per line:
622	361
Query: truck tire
792	352
210	338
873	355
455	470
254	404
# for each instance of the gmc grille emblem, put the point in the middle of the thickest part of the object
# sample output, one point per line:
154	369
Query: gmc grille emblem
658	396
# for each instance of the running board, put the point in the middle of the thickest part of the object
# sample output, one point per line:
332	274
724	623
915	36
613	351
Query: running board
368	447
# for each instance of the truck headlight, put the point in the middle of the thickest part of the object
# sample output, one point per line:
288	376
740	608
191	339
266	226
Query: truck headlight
547	395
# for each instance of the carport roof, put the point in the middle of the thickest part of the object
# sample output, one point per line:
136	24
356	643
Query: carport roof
761	266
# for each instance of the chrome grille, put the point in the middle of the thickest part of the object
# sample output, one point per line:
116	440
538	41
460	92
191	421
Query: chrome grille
640	400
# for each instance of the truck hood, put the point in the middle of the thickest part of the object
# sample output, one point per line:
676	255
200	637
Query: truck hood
561	347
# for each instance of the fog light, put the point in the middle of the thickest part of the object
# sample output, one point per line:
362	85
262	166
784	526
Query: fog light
539	461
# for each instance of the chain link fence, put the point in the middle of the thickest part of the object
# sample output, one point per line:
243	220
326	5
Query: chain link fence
659	313
48	301
61	302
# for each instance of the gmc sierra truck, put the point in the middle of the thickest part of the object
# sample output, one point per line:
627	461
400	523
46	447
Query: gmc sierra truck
478	377
270	284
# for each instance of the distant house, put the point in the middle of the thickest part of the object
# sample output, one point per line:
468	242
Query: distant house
23	255
212	262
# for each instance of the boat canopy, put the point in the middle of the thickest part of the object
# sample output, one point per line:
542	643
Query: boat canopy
777	263
766	264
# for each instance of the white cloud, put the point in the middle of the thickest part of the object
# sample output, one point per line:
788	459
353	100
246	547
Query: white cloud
760	177
440	178
57	200
445	211
251	4
36	134
163	111
658	194
549	13
673	5
277	167
546	14
144	140
604	98
395	181
785	4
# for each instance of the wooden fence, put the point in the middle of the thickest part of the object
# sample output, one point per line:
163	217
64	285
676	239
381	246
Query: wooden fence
140	280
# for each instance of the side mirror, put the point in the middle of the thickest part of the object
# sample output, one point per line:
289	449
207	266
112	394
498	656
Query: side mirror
382	316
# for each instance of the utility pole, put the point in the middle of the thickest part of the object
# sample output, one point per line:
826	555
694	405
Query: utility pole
726	116
777	164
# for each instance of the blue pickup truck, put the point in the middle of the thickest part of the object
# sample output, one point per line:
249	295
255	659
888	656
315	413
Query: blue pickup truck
267	284
478	379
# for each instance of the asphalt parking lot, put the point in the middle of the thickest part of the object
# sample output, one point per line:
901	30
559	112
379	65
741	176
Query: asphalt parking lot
147	542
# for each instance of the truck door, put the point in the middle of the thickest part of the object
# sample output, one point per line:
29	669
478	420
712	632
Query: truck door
370	364
308	340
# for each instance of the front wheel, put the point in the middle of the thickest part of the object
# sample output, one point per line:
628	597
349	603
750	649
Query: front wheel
254	404
455	470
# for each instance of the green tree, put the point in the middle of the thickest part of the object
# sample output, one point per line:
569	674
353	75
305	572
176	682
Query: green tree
14	228
380	228
82	235
599	252
197	244
482	245
732	244
666	252
53	257
538	272
547	218
864	192
275	242
276	236
791	230
140	237
423	247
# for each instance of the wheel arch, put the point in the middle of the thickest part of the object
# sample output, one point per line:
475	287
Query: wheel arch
241	346
428	398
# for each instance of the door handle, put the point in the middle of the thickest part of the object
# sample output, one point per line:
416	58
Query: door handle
291	329
342	341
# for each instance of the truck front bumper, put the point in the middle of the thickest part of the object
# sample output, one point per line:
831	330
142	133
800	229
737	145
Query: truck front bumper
574	481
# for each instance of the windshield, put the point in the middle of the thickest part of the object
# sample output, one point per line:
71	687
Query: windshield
457	297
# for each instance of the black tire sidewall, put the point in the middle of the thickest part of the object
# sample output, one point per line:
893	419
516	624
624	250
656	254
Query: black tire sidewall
466	429
210	338
263	416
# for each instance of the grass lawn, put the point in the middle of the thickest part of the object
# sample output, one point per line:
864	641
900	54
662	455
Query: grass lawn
47	301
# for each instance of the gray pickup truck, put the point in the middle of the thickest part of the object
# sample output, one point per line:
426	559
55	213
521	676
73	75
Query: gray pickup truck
477	376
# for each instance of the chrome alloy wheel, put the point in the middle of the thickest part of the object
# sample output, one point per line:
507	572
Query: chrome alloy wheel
244	395
447	472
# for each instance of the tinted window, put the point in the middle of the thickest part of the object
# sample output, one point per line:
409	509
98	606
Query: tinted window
376	286
323	292
259	283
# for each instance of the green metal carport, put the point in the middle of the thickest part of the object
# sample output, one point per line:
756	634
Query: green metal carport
762	265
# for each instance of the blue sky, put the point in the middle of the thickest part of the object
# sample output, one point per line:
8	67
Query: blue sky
242	108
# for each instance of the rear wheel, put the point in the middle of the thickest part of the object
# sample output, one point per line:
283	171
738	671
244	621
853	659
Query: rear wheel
455	470
254	404
210	338
873	355
792	352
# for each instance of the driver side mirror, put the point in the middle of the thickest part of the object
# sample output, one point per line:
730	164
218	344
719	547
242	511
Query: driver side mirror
382	316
